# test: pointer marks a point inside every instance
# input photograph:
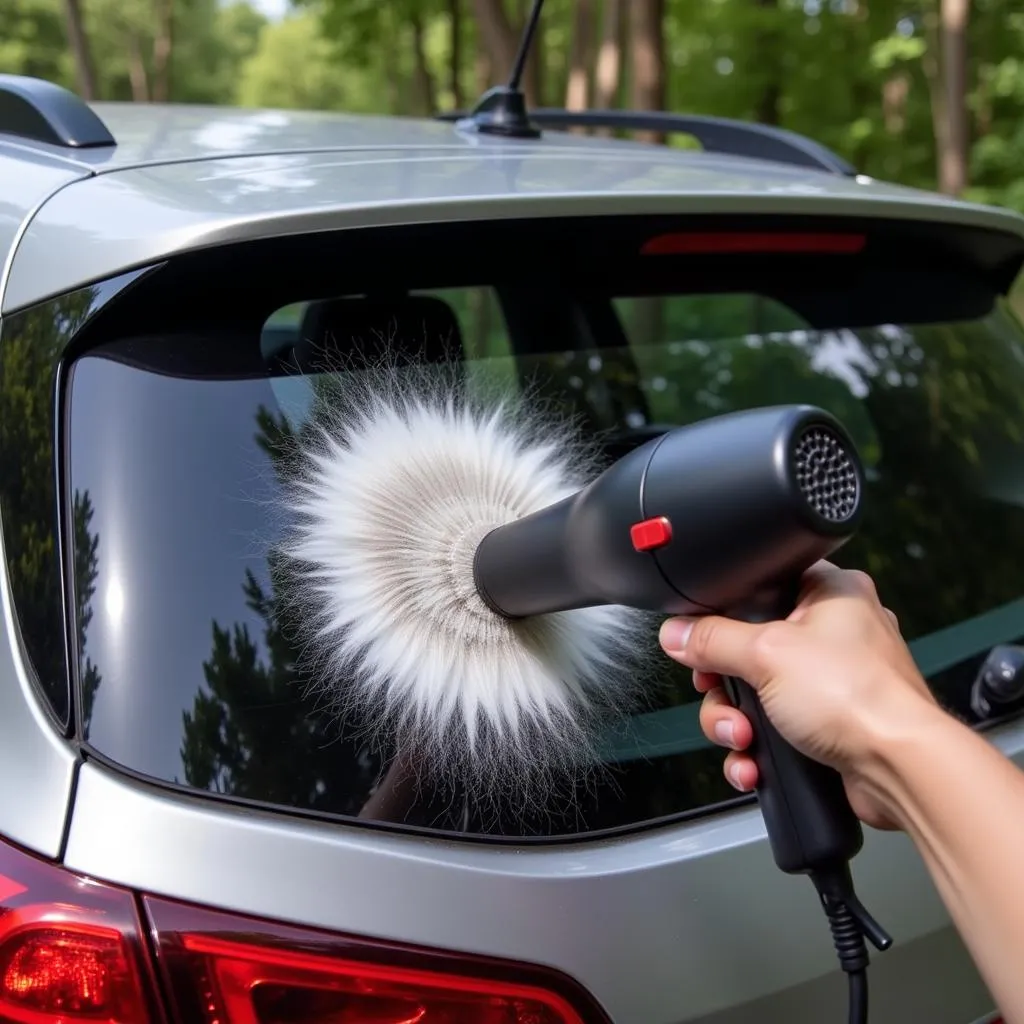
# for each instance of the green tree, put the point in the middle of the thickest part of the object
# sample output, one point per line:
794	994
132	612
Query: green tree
294	66
182	50
32	40
213	46
395	57
186	51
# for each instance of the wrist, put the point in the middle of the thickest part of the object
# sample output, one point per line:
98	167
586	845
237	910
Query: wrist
902	733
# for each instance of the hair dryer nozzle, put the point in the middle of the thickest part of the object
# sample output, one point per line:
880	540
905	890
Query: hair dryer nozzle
721	515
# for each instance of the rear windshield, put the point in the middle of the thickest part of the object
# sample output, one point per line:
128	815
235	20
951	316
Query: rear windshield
191	670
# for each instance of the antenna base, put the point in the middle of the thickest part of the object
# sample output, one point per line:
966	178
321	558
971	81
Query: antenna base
502	111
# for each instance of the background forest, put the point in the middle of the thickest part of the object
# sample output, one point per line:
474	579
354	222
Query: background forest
923	92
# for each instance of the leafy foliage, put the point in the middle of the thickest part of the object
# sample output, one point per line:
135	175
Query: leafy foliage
32	40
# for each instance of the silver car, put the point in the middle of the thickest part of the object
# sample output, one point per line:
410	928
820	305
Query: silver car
189	833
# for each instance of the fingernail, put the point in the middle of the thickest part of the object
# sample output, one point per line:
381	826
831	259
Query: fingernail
725	732
735	778
675	633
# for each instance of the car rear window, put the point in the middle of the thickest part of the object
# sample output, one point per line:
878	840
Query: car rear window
189	670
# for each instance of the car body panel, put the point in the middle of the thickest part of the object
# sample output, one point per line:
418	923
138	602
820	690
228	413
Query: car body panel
127	218
27	180
641	921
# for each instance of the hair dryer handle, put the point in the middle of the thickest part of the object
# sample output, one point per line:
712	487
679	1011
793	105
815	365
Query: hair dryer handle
806	811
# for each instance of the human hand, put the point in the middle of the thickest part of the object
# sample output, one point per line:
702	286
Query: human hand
835	678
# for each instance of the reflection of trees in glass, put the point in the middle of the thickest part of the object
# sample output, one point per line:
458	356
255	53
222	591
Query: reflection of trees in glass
86	564
29	349
923	403
252	736
940	397
254	733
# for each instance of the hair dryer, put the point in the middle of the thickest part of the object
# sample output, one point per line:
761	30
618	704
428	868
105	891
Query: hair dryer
723	517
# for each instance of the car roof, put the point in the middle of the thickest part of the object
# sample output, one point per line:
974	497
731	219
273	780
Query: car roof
182	177
149	134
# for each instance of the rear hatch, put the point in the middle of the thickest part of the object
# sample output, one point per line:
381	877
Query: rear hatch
214	774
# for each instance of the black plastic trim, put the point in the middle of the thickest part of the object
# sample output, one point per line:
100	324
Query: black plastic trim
65	832
213	798
33	108
715	134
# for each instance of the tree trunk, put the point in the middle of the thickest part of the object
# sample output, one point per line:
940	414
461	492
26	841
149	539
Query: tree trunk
395	85
163	45
137	73
79	43
895	91
953	154
425	98
646	24
483	71
455	52
770	52
533	73
577	90
501	42
608	71
985	60
933	76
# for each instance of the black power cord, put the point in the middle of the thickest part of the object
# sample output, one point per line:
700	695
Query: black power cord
850	923
858	997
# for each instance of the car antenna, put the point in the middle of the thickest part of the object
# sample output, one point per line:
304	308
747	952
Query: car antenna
502	109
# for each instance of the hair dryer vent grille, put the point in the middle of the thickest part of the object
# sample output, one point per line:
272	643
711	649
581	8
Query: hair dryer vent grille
826	474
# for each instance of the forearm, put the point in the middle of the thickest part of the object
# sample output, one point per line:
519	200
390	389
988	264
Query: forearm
962	803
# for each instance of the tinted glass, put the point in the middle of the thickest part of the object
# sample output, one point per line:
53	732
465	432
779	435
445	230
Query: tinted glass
189	655
31	345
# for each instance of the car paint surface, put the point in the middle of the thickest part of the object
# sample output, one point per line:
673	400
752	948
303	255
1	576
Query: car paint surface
186	195
689	922
25	184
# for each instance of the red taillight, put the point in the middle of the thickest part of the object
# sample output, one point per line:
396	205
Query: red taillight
72	951
225	970
64	970
70	948
743	242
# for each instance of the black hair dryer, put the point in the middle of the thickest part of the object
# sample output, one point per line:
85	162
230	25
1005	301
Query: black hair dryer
723	516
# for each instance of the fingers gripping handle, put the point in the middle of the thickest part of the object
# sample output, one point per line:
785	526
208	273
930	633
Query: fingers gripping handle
807	814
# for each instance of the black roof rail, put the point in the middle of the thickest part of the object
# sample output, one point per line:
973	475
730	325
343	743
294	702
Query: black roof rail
32	108
715	134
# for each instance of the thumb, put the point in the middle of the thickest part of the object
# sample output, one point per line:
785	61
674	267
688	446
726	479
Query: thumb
712	643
